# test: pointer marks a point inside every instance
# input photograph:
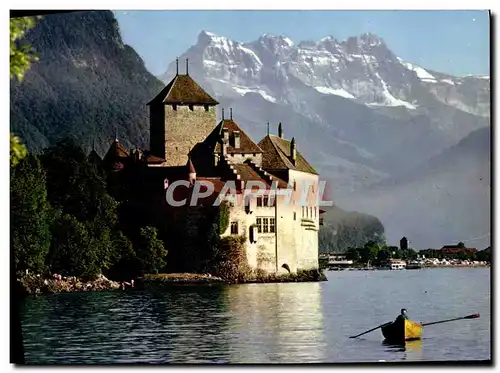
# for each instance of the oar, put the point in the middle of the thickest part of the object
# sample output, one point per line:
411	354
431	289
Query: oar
474	316
371	330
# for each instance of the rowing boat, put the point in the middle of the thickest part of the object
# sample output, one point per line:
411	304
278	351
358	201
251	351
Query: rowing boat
401	331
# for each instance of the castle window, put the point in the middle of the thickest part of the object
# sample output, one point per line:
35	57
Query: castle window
259	202
259	225
294	215
294	185
266	201
265	225
272	225
174	107
234	227
302	211
191	107
206	107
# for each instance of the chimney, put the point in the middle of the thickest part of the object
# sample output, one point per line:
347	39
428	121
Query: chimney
222	113
177	66
280	130
192	171
236	135
187	67
293	150
225	135
225	141
231	113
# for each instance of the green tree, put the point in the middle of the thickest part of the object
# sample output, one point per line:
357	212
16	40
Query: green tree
369	252
70	252
383	255
17	150
408	254
21	54
73	183
353	254
21	57
30	215
150	251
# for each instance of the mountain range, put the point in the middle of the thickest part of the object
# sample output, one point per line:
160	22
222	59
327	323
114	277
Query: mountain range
364	117
373	125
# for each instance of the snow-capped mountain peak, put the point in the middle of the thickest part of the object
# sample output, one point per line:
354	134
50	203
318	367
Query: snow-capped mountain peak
360	68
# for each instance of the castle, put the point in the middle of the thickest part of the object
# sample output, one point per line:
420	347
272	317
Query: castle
188	145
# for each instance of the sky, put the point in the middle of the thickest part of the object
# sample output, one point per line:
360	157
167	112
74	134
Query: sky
453	42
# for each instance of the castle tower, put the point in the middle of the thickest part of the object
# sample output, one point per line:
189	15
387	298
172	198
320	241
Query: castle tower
180	116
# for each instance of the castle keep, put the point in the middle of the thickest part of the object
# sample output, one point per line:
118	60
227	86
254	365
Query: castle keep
187	144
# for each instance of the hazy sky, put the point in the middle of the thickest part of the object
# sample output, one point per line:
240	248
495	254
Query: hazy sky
454	42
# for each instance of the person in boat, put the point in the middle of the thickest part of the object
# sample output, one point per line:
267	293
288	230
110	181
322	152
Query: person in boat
402	316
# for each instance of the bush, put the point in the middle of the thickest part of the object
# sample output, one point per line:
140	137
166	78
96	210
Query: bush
230	261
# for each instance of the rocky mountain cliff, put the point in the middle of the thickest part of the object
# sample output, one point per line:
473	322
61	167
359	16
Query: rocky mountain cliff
86	84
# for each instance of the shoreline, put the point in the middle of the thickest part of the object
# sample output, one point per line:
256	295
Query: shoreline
36	284
334	269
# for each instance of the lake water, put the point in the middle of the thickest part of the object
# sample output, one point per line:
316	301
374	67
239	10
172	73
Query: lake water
265	323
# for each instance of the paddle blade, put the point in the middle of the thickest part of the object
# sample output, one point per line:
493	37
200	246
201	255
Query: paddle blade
474	316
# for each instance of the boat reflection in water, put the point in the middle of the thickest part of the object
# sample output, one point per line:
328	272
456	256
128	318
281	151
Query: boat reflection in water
411	350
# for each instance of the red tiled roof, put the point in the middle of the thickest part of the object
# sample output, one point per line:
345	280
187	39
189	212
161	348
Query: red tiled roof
116	152
276	155
153	159
183	90
247	145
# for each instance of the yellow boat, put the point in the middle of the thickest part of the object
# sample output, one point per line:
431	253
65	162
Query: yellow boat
400	331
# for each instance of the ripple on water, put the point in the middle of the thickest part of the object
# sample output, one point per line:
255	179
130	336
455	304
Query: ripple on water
268	323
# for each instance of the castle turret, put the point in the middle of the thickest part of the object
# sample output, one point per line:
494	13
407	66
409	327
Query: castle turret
181	116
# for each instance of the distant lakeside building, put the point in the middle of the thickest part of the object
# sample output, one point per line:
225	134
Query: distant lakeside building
187	144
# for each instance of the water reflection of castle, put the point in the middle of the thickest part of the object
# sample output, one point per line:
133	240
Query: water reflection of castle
276	323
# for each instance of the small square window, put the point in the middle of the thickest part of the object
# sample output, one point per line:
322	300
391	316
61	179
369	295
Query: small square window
259	225
272	225
265	225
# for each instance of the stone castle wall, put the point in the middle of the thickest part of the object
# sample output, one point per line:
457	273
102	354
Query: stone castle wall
180	130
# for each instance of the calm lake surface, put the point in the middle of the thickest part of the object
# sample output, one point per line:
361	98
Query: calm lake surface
265	323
